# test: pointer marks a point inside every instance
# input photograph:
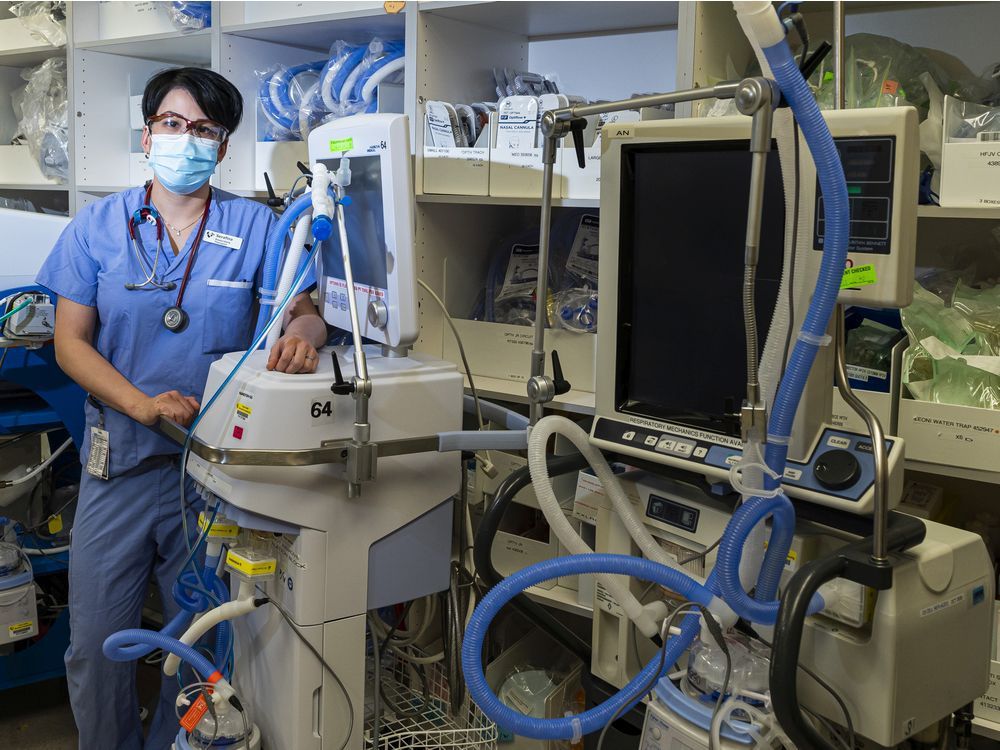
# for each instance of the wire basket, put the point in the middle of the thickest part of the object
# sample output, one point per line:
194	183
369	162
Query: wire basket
433	725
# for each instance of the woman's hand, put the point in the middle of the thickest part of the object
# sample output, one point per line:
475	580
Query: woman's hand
172	405
293	354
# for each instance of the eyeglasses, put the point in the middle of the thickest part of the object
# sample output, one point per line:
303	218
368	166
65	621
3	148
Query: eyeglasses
171	123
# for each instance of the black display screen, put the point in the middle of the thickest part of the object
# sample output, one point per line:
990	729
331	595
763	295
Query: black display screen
682	516
681	347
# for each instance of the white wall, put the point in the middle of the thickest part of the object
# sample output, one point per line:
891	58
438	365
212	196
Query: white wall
969	31
609	66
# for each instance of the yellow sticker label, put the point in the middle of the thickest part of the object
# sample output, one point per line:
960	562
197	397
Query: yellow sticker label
858	276
20	628
243	410
55	524
393	6
218	530
341	144
251	567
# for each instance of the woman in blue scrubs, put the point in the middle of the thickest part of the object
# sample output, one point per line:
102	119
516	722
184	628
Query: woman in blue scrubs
138	324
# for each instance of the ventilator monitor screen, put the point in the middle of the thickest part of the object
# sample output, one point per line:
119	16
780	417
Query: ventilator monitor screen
681	347
365	230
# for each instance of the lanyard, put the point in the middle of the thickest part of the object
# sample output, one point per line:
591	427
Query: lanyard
175	318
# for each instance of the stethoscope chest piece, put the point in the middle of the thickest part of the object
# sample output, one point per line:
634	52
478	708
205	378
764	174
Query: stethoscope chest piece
175	319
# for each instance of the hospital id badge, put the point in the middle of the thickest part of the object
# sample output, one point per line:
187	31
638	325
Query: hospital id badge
100	453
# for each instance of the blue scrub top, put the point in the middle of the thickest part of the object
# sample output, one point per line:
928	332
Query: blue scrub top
92	262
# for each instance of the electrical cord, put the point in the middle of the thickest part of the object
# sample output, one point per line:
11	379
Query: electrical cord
795	241
377	693
848	722
668	623
327	667
461	352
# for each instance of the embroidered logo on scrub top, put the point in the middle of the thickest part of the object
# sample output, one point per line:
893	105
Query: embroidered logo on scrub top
225	240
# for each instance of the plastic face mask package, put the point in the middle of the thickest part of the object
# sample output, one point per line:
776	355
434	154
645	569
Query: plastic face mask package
952	356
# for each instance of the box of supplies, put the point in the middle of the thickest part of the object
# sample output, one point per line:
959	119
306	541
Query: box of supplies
278	159
124	19
499	350
869	386
962	436
516	166
970	155
548	696
449	170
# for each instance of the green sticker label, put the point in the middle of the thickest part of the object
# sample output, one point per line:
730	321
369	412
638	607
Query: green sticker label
858	276
341	144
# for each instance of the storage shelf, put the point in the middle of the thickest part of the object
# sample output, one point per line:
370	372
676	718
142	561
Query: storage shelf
940	212
958	472
488	200
194	48
560	598
320	31
29	56
33	186
579	402
101	189
550	19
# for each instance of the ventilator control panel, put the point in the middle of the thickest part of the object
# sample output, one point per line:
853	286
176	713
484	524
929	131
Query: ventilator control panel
839	472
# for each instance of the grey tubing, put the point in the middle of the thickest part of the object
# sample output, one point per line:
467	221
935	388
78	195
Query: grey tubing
510	420
474	440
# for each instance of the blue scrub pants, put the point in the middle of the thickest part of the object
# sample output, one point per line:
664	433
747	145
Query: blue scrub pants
127	529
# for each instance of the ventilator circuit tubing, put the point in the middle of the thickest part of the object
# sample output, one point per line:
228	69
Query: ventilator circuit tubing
272	259
594	718
289	268
761	21
115	642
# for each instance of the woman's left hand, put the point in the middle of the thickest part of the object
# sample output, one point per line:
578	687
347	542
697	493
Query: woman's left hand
293	354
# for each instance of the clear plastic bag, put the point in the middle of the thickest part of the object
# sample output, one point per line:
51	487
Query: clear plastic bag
928	317
44	117
870	346
383	62
281	91
576	310
189	16
966	122
981	307
43	19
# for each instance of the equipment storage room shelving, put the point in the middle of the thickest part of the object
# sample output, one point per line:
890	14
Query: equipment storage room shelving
599	50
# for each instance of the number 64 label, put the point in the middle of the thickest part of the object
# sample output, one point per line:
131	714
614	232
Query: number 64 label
321	411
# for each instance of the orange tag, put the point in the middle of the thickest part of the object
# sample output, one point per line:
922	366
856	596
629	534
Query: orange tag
194	713
393	6
890	87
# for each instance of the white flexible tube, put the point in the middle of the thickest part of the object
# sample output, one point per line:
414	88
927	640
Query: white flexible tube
368	90
289	269
38	468
243	604
645	618
760	22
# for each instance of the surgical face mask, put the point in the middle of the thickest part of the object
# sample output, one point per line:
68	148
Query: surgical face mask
183	163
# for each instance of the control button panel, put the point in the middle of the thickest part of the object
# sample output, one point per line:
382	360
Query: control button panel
841	465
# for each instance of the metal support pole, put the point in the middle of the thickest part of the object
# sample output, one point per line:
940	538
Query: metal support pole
361	465
839	54
880	486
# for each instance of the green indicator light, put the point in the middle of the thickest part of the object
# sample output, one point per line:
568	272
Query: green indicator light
854	190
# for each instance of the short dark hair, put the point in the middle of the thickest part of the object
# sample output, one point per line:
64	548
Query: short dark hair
219	99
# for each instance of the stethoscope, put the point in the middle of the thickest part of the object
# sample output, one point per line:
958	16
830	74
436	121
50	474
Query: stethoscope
175	319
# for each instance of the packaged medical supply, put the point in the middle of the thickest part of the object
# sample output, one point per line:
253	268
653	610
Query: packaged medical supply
970	154
952	355
43	19
189	16
43	124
